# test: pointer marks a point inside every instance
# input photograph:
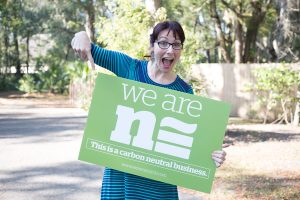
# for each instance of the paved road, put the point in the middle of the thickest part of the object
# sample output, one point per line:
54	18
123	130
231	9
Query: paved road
39	146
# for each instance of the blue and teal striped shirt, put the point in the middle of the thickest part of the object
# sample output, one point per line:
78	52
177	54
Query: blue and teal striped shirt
121	185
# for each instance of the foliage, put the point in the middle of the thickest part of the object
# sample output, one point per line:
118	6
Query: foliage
277	86
58	20
197	40
128	29
125	26
286	35
8	82
27	83
54	78
82	83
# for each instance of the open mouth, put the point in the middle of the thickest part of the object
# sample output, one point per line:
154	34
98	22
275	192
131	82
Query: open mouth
167	62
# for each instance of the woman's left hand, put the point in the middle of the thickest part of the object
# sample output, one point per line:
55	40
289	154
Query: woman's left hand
219	156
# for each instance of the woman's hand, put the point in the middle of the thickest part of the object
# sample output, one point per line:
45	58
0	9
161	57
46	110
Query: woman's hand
81	44
219	156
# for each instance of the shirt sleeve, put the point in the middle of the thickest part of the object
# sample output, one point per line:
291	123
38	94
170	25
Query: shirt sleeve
114	61
190	90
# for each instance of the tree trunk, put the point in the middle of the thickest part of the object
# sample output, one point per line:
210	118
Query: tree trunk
27	52
220	35
1	55
285	112
296	115
250	45
208	56
216	57
68	52
6	46
152	5
17	55
252	24
238	43
157	4
90	20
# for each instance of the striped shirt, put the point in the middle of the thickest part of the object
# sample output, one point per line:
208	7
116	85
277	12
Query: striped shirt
121	185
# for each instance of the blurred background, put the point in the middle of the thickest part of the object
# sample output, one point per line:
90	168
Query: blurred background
244	52
36	55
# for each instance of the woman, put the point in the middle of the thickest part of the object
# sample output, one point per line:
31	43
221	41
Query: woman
166	44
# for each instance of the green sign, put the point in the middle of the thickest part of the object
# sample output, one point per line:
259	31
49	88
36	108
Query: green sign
154	132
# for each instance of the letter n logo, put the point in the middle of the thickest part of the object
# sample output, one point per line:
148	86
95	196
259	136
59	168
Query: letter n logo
122	134
175	143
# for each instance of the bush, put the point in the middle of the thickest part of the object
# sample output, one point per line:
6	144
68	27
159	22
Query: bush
277	87
27	83
8	82
54	79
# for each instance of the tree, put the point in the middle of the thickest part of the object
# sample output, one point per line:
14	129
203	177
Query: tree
285	40
276	88
4	27
127	28
11	22
226	25
20	20
220	34
35	17
89	8
251	14
152	5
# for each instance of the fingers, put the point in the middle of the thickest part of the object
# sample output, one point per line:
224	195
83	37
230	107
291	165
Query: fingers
82	51
81	45
219	157
90	60
218	161
218	164
225	145
219	154
83	56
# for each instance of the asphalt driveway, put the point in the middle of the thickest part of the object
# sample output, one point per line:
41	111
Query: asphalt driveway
39	146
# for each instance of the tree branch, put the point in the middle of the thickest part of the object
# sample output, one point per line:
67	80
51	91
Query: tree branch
239	15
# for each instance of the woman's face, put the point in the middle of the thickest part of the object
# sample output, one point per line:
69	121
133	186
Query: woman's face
166	58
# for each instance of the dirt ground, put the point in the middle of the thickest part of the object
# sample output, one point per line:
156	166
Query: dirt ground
263	161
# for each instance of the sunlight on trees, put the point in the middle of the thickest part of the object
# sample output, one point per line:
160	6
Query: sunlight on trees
217	31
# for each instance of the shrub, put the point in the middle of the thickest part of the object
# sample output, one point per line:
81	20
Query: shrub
277	87
27	83
8	82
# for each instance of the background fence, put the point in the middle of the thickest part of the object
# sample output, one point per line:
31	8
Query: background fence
228	82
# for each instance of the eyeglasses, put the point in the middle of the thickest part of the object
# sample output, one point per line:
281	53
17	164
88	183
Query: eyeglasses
166	45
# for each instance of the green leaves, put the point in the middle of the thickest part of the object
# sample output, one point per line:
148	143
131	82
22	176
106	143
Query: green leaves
279	80
275	87
128	28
